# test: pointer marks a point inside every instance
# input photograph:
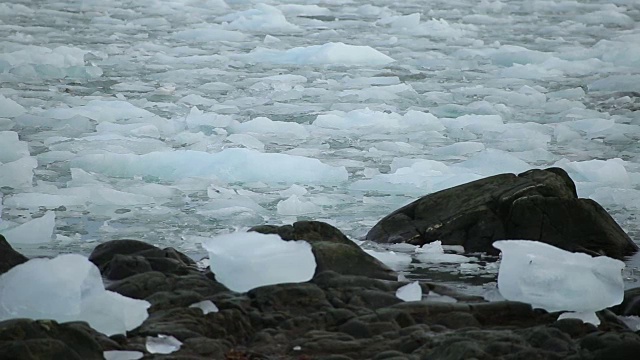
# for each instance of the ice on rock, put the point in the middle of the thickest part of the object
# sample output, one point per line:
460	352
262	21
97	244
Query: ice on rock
36	231
162	344
557	280
264	18
410	292
237	164
243	261
72	290
207	306
394	260
586	317
293	205
328	54
10	108
122	355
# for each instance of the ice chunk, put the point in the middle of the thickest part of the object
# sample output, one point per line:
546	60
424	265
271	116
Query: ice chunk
327	54
611	172
394	260
264	18
71	290
122	355
162	344
11	148
38	230
243	261
410	292
433	252
617	83
554	279
209	33
10	108
459	148
198	117
207	306
246	140
231	165
18	174
294	206
264	125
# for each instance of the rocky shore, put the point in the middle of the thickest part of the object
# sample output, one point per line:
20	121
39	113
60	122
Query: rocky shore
349	309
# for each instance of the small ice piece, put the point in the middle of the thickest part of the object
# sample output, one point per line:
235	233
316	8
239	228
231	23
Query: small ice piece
207	306
293	205
410	292
396	261
122	355
434	253
162	344
555	280
585	316
297	348
243	261
435	297
36	231
294	189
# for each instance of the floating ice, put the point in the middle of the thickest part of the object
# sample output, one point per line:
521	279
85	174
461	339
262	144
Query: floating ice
410	292
434	253
264	18
10	108
18	174
293	205
368	120
209	33
243	261
265	126
36	231
207	306
617	83
327	54
611	172
71	290
162	344
11	148
231	165
554	279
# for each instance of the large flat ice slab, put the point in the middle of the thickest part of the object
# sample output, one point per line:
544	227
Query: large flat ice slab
241	165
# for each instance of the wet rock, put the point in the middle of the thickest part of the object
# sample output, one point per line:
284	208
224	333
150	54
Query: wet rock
295	299
142	286
630	304
331	248
46	339
8	256
119	259
537	205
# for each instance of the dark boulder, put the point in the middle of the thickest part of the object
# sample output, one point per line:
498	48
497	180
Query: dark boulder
119	259
537	205
332	249
8	256
46	339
